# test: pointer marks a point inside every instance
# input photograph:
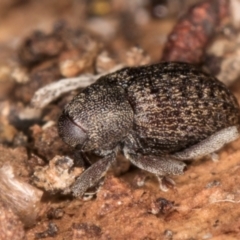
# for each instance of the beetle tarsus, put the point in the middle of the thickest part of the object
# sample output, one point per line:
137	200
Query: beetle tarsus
165	183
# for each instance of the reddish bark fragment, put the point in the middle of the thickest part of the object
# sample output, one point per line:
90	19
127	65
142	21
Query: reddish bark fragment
192	33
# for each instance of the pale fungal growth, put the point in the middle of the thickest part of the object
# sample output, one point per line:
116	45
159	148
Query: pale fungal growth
19	196
58	176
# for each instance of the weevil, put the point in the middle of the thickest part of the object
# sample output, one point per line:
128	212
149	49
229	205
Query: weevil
157	116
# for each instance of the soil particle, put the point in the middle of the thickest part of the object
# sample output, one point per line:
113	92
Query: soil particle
10	225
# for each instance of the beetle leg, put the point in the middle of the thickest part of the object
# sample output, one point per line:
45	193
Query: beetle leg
92	175
158	165
80	159
209	145
165	183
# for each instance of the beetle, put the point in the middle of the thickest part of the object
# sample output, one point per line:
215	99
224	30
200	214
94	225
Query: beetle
157	115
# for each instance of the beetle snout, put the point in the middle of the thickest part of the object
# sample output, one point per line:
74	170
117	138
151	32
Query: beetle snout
71	132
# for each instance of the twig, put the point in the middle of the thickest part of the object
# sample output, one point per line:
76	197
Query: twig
52	91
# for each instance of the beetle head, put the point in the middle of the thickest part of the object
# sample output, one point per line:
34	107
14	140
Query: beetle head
97	118
70	131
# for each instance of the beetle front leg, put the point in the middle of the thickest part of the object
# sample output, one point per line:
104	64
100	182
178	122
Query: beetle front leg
159	166
92	175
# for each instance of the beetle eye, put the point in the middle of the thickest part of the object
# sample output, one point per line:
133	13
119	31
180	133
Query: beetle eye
71	133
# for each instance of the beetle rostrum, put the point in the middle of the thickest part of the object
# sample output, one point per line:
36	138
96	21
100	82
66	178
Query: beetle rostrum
156	115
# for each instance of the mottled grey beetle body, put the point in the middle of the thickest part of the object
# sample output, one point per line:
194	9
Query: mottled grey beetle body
155	114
